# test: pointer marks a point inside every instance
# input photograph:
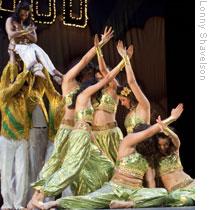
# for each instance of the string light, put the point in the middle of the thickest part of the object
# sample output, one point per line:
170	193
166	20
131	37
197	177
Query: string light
41	17
8	10
48	18
69	19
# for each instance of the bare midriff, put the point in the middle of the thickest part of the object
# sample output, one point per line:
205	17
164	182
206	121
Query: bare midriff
174	178
102	118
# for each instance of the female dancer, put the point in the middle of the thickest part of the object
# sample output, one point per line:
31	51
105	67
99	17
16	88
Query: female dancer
83	161
22	36
125	188
132	97
70	88
107	134
170	170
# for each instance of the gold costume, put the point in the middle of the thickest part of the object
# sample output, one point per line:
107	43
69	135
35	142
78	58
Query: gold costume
183	193
15	121
107	137
131	120
83	166
135	165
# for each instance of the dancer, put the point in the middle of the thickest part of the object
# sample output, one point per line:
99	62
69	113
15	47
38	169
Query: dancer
125	188
170	170
107	134
22	36
14	135
70	90
88	159
132	97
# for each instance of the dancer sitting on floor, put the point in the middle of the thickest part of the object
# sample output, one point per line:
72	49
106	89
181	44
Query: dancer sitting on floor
125	188
170	170
22	36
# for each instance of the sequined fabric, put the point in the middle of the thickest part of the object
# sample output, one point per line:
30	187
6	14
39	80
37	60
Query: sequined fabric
168	164
85	115
108	141
84	167
69	96
56	159
131	120
107	103
142	197
133	165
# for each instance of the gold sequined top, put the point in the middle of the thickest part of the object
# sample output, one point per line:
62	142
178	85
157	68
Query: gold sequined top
131	120
15	120
169	164
69	96
133	165
107	103
85	115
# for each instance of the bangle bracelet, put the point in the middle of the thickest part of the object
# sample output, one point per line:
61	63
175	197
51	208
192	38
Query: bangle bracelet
126	60
99	52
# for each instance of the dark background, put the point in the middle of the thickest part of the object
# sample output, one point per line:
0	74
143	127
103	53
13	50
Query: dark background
166	69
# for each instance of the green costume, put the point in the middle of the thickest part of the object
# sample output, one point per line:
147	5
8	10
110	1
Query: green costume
135	165
83	167
107	137
182	194
131	120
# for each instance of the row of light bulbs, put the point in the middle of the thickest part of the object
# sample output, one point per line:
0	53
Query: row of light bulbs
49	17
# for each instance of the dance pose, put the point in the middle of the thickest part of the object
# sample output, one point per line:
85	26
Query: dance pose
14	135
22	36
125	189
70	89
170	170
132	97
107	134
82	156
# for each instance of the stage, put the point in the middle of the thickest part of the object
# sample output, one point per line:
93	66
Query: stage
169	208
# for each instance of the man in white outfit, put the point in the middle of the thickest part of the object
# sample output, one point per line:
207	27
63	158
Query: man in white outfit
22	35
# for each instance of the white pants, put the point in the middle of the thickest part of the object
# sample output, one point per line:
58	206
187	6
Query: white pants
37	148
14	172
50	148
29	54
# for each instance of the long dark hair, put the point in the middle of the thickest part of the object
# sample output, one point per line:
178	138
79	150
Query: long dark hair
22	6
171	149
83	86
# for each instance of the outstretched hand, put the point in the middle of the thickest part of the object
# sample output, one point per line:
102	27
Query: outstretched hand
176	112
122	49
162	125
107	35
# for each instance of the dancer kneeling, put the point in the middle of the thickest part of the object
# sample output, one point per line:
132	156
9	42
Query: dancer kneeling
125	188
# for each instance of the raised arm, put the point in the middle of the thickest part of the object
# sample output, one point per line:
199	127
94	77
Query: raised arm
12	89
131	140
140	97
109	77
74	71
168	132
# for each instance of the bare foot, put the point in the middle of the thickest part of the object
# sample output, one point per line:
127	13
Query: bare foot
116	204
37	196
46	205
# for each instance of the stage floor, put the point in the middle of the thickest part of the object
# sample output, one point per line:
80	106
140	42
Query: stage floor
167	208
